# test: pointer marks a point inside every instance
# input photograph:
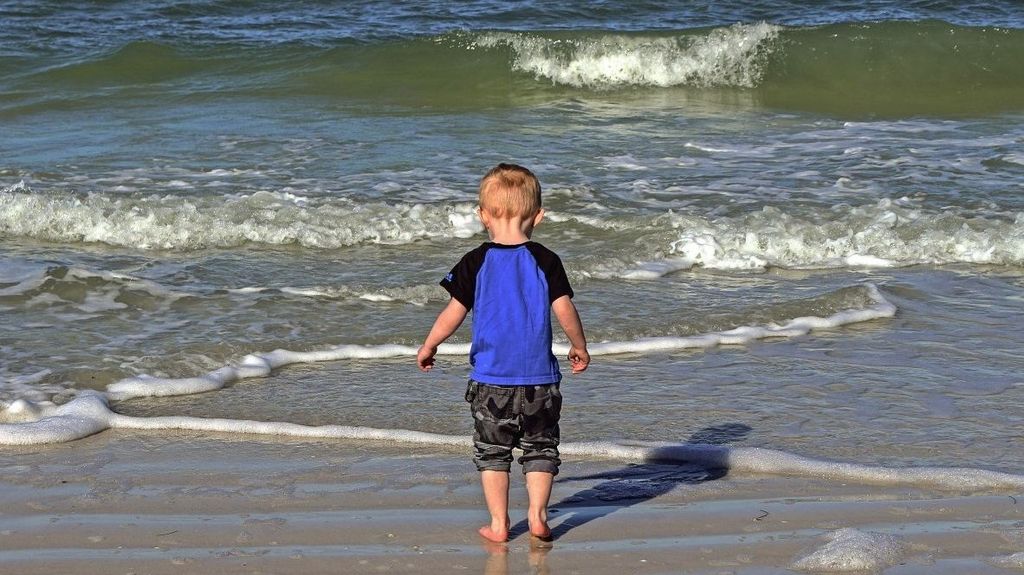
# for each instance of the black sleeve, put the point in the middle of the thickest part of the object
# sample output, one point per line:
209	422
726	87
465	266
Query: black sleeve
461	281
554	272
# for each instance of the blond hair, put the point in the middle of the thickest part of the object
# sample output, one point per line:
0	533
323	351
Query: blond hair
510	191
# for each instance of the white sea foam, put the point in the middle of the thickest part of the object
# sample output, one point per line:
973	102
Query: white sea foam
28	423
26	283
187	222
625	162
886	234
596	222
853	550
19	187
415	294
708	149
28	386
41	423
260	365
758	460
1015	561
102	293
1015	158
656	269
881	308
89	413
731	56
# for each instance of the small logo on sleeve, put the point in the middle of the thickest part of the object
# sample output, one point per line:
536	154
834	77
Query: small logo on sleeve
449	278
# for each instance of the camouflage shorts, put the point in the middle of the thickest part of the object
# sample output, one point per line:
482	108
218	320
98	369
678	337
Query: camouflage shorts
515	416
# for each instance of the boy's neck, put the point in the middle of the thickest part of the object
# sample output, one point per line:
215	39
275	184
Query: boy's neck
509	231
510	240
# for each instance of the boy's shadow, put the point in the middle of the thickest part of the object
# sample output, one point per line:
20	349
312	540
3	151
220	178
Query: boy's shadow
640	482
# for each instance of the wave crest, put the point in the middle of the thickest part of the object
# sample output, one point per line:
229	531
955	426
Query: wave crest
732	56
890	233
188	223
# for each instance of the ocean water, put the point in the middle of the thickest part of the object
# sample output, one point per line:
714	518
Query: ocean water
796	233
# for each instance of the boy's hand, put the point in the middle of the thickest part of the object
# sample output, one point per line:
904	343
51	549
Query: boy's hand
579	359
425	358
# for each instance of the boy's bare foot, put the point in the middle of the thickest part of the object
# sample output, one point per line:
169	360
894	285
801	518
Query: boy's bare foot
493	535
540	530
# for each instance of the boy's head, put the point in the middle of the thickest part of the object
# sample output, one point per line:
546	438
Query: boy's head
510	191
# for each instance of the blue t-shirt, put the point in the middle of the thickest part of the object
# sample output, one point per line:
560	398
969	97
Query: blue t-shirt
510	290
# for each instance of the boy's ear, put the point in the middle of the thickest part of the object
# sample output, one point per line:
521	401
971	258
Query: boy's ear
485	218
538	217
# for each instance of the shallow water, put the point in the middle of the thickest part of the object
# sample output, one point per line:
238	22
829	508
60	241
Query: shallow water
193	185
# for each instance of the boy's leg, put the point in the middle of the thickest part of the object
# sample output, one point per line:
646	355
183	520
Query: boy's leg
494	431
495	484
538	486
540	460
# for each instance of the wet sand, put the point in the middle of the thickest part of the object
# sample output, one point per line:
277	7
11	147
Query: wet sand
129	502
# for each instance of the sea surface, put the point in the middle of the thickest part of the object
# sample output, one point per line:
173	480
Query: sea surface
795	230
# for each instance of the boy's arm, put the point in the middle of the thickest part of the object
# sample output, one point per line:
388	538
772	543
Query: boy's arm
447	322
569	319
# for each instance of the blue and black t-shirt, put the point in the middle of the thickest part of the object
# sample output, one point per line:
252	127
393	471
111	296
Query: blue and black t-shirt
510	290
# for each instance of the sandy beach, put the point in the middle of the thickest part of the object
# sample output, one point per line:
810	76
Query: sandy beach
794	232
185	503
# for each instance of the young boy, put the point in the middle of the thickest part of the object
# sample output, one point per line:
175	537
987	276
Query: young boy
512	284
